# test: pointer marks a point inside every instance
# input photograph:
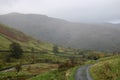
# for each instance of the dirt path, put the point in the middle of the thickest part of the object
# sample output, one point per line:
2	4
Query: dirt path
13	68
82	73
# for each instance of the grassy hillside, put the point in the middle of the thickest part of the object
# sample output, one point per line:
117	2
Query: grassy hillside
9	35
43	61
106	69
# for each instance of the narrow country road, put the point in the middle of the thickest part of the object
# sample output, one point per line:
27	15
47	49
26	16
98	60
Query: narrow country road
83	73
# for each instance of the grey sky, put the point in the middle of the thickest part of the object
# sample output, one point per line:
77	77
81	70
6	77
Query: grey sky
72	10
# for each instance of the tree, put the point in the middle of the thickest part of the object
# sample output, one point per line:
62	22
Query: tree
16	50
55	49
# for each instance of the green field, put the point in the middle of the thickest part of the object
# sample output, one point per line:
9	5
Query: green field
28	71
57	75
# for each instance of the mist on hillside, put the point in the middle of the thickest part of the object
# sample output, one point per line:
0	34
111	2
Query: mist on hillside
104	36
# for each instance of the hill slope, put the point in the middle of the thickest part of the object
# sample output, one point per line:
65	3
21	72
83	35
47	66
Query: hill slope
79	35
107	69
8	35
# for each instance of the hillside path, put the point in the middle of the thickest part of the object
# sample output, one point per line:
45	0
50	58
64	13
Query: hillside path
13	68
83	73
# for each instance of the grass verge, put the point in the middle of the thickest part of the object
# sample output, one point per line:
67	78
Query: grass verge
106	69
72	73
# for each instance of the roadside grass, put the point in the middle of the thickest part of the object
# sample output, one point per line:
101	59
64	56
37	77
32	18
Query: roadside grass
106	69
72	72
51	75
90	62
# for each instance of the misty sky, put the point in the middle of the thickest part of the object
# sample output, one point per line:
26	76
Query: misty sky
72	10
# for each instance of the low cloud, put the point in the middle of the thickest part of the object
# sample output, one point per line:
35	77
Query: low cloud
72	10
